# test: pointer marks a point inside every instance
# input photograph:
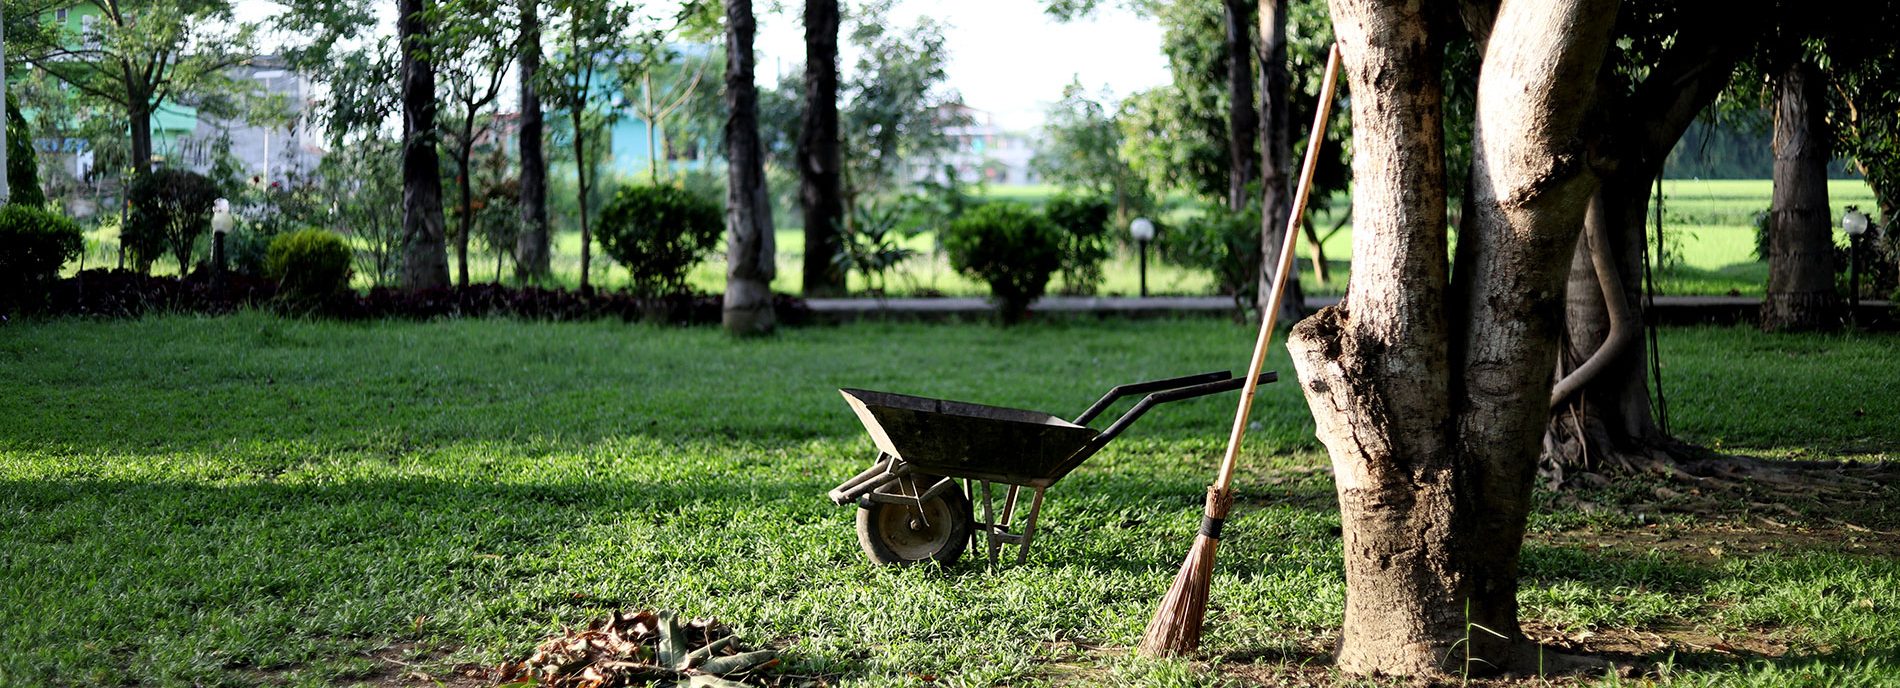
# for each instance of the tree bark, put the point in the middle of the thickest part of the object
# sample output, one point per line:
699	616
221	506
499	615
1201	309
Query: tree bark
465	184
139	112
1431	401
1801	292
1608	426
818	152
425	253
1242	121
750	255
1276	160
531	244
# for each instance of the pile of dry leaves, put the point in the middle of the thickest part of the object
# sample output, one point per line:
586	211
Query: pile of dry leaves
642	649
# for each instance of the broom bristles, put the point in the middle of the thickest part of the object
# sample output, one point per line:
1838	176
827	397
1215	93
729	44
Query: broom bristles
1176	627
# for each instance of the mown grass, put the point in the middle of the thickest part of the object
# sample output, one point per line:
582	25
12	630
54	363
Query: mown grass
244	500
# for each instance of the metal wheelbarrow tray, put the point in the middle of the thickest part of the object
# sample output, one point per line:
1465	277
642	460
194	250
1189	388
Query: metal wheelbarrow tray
911	507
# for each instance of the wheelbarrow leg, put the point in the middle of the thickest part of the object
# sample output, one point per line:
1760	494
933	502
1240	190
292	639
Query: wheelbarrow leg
1029	528
989	523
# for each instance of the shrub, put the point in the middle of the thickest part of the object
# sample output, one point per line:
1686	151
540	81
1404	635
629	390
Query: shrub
311	266
659	233
1220	242
171	209
23	162
1009	246
1085	239
34	244
871	244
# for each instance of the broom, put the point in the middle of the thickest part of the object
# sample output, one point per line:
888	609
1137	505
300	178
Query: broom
1176	628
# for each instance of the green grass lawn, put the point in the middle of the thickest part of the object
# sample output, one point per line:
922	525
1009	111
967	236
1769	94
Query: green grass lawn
250	500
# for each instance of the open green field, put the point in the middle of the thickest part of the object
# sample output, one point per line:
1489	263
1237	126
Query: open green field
250	500
1709	238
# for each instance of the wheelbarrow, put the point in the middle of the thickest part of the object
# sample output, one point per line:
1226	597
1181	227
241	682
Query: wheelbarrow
911	506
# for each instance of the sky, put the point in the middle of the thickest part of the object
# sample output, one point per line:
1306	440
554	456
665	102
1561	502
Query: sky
1006	56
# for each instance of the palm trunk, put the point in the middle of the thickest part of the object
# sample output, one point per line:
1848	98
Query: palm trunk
818	152
425	256
749	250
1276	161
531	245
1431	401
1801	292
1242	121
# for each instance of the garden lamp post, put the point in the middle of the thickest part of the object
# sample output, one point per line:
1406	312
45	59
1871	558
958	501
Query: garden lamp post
221	222
1143	231
1854	222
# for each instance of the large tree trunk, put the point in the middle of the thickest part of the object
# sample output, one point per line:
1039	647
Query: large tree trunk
465	184
818	152
1276	160
1431	404
749	251
425	254
1607	425
1801	292
1242	121
531	244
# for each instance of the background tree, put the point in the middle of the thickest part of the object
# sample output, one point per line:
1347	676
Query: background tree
819	192
473	48
1243	120
897	107
533	243
425	251
139	56
1426	391
1081	148
589	34
1801	227
750	264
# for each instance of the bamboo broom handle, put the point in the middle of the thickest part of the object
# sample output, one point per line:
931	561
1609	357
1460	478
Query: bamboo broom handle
1281	271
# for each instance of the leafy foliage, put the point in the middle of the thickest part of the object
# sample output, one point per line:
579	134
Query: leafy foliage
659	233
312	266
896	107
34	244
872	244
1009	246
171	209
1221	242
1085	224
1081	148
23	163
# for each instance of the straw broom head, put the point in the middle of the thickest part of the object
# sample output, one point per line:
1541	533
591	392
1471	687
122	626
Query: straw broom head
1176	627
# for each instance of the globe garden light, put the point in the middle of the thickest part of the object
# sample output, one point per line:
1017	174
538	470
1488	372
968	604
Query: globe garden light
1854	222
1143	230
221	219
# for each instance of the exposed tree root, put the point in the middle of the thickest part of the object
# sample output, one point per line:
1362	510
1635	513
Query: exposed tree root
1579	453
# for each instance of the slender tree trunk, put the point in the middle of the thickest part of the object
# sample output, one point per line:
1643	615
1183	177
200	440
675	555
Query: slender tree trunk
749	251
140	115
1276	160
579	117
818	152
1801	292
1431	401
1242	121
466	223
425	255
531	244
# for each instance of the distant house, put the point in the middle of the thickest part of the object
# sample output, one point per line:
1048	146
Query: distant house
980	149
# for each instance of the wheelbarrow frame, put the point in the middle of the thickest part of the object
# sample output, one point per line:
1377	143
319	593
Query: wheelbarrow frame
894	480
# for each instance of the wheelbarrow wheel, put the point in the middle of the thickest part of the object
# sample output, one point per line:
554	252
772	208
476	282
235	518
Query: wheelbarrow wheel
898	534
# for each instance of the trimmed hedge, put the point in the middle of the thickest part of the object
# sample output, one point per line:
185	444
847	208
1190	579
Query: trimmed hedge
34	244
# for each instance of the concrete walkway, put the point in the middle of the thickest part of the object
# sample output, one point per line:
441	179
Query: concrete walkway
1672	309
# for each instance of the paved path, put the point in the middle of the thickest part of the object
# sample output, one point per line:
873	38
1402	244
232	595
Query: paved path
1670	308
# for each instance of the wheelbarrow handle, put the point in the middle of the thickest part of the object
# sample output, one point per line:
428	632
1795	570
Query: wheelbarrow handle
1132	389
1164	397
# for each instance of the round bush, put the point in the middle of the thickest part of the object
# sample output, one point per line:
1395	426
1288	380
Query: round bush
1085	238
659	233
311	266
1222	243
34	244
1009	246
171	209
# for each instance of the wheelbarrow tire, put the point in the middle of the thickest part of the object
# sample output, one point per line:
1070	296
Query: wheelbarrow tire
891	534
